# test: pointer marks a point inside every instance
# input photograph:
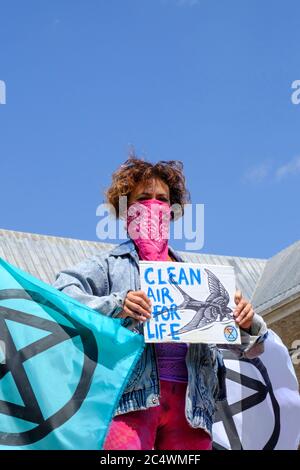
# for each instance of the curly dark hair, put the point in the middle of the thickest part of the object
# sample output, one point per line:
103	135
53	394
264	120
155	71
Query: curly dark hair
136	170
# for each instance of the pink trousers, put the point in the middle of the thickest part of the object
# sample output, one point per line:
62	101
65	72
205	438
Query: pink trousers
163	427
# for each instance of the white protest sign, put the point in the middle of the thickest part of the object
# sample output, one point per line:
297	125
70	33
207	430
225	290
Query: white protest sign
191	302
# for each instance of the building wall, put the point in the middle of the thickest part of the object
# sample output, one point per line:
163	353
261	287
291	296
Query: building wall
289	331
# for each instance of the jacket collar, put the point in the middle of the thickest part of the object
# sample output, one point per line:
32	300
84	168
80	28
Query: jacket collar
128	247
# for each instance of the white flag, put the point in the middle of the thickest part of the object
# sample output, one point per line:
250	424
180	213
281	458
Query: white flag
262	410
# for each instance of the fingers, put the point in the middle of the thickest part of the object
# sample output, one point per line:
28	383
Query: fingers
137	308
237	297
243	312
240	309
246	322
140	298
142	294
137	305
127	312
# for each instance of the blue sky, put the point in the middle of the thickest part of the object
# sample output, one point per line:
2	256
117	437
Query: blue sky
206	82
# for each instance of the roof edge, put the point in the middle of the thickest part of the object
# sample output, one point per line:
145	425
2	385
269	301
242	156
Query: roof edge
53	237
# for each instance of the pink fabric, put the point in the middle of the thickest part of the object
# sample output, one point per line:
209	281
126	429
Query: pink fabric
148	226
171	361
162	427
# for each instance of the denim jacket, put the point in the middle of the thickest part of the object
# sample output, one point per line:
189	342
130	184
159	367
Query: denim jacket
102	282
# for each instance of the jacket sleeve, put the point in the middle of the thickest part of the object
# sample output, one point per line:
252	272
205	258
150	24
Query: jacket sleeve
252	342
88	283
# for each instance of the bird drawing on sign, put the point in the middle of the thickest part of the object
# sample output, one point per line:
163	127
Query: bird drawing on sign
214	308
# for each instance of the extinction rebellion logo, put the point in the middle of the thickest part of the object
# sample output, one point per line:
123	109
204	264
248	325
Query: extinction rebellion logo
260	398
230	333
24	362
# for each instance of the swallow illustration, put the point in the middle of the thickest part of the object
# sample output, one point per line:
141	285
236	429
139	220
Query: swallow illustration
214	308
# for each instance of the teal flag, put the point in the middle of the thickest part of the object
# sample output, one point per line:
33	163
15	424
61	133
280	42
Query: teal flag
63	366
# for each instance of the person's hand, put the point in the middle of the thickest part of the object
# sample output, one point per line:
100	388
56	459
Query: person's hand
136	305
243	312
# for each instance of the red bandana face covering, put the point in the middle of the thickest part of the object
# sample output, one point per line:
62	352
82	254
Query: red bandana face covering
148	226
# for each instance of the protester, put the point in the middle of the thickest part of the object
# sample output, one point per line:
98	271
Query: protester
170	398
